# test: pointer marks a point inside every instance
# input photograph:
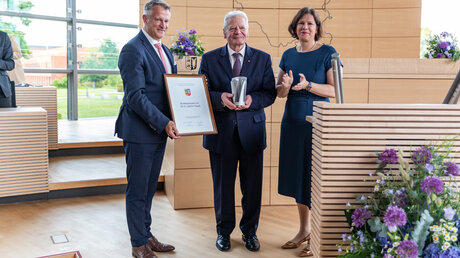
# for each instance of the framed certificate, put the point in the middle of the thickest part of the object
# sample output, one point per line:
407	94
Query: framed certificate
190	104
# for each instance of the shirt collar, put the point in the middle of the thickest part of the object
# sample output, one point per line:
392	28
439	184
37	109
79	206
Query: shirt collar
150	39
231	51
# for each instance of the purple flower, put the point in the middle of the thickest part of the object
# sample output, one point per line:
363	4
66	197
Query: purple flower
421	155
445	34
407	249
432	251
400	199
432	184
430	55
444	45
429	168
451	169
388	256
394	217
449	213
452	252
439	55
389	156
360	216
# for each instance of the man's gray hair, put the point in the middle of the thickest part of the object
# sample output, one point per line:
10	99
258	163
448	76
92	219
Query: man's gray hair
150	4
232	14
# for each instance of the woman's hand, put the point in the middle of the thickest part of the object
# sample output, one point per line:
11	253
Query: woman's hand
303	83
287	80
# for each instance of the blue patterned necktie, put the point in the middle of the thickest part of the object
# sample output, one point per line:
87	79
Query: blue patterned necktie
236	65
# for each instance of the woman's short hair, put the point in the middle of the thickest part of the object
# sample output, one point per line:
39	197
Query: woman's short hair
230	15
306	10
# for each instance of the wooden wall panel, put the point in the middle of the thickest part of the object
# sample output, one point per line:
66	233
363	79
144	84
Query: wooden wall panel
414	66
207	21
355	90
206	3
285	19
408	91
278	110
211	43
351	47
275	144
184	158
256	4
178	22
193	188
397	3
283	45
395	47
402	22
349	23
261	43
275	197
297	4
266	19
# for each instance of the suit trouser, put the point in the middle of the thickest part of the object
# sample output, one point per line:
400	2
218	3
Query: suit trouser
143	165
223	167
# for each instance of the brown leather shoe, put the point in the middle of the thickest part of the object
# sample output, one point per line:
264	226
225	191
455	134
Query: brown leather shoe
157	246
143	252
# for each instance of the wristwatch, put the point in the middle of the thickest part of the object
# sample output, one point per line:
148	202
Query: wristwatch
309	86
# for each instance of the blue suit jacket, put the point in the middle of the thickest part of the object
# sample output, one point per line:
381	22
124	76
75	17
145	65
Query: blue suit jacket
145	110
257	67
6	64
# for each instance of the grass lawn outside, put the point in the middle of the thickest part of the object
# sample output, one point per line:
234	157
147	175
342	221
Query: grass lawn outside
98	102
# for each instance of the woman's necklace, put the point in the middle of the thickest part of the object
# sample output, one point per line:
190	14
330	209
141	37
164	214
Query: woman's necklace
300	48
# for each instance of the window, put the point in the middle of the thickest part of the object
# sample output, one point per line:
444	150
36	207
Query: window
73	45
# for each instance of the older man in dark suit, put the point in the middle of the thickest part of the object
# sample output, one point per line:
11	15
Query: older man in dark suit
6	64
145	122
242	134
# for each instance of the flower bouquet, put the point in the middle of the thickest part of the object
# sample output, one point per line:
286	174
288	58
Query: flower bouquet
442	46
187	44
414	210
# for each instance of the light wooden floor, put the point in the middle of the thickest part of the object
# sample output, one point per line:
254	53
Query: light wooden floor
96	226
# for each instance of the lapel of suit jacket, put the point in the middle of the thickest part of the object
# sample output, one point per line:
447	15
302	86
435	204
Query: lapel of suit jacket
246	65
170	58
224	61
152	51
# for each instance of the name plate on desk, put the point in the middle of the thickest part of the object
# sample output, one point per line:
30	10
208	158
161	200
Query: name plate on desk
190	104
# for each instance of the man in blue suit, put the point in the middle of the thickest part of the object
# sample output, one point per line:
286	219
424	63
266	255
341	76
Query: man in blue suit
145	122
242	134
6	64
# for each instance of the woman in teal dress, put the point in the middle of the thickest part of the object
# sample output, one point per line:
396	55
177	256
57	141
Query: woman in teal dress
305	76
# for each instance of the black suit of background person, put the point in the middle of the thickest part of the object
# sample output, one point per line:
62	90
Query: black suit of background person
6	64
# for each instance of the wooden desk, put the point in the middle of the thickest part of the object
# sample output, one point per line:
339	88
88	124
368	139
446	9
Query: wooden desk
23	151
46	98
345	140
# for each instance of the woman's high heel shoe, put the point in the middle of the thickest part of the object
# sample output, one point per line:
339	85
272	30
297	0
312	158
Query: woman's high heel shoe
306	252
292	245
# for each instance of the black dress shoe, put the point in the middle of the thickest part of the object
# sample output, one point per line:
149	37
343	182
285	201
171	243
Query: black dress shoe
223	242
252	243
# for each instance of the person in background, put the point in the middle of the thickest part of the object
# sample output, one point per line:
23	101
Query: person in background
305	76
17	74
144	122
241	137
6	64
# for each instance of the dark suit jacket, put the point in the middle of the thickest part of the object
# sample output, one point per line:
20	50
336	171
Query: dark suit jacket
6	64
257	67
145	110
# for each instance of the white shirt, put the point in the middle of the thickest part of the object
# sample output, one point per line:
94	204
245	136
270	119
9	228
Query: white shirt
241	56
153	42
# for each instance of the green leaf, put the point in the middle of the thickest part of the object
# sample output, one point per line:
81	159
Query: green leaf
421	230
376	225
